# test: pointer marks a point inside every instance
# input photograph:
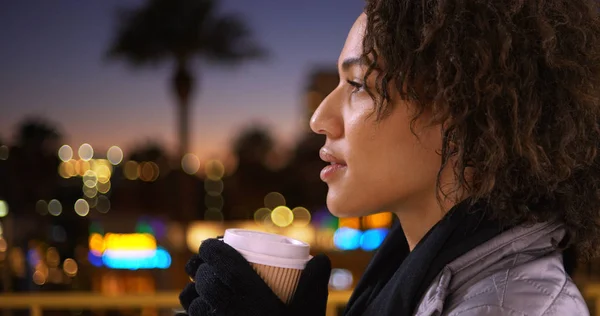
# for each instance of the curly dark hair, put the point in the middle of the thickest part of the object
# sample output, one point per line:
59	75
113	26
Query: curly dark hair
516	85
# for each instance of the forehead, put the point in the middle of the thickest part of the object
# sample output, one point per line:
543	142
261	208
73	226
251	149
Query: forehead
353	46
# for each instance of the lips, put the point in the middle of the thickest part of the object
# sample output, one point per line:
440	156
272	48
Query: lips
336	165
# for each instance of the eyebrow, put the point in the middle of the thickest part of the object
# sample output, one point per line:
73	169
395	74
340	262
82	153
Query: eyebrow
352	61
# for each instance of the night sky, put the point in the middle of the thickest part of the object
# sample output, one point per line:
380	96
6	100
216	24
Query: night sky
52	65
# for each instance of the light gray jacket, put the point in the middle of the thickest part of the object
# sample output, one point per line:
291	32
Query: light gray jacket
516	273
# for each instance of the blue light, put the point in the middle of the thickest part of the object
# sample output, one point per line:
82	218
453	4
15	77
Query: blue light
372	239
347	238
96	261
160	259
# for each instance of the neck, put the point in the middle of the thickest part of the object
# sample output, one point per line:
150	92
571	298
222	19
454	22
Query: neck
417	220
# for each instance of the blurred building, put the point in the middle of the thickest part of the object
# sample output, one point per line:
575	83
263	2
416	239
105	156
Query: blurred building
320	83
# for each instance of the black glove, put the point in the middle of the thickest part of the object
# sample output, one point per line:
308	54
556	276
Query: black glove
226	284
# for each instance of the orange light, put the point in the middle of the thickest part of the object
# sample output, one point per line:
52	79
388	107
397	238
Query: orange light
350	222
380	220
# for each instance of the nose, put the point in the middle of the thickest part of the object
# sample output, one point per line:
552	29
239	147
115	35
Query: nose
327	119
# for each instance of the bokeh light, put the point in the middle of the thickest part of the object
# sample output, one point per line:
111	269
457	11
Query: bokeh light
41	207
3	245
372	238
52	257
39	278
213	215
54	207
213	201
59	234
261	214
190	163
115	155
341	279
93	201
103	173
131	170
103	204
70	267
3	208
65	153
82	208
89	192
282	216
379	220
350	222
273	200
81	166
103	187
213	187
90	178
148	171
66	170
4	152
301	217
347	238
86	152
214	169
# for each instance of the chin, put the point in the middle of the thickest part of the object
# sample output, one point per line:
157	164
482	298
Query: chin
341	206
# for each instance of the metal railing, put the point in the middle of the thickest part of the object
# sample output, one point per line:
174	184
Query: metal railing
36	303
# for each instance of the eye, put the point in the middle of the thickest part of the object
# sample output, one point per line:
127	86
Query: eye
357	86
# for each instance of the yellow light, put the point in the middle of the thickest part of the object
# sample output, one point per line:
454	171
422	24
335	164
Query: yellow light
190	163
200	231
103	173
54	207
301	217
213	187
131	170
282	216
4	152
379	220
65	153
3	208
82	208
261	214
86	152
129	242
90	179
66	170
3	245
273	200
89	192
81	167
214	170
148	171
96	243
39	278
305	234
103	187
115	155
70	267
350	222
52	257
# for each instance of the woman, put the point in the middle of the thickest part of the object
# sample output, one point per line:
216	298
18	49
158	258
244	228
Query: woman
476	123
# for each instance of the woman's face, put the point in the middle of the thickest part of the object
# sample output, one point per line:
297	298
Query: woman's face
378	165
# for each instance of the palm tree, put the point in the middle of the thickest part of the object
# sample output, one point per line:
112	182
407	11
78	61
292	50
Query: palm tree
180	31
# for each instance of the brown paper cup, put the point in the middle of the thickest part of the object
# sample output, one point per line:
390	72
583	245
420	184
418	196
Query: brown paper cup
282	281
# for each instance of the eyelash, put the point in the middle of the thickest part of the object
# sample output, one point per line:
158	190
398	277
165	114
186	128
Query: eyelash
357	86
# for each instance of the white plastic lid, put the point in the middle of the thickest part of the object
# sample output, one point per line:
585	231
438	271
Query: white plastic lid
268	249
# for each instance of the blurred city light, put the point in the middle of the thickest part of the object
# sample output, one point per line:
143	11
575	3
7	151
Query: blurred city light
114	155
131	170
65	153
350	222
41	207
213	187
341	279
54	207
213	214
282	216
82	208
103	187
103	204
70	267
372	239
3	208
52	257
89	192
148	171
4	152
214	170
347	238
190	163
261	214
90	178
379	220
273	200
214	201
86	152
127	251
301	217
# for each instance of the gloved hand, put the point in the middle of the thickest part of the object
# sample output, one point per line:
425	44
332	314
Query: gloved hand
226	284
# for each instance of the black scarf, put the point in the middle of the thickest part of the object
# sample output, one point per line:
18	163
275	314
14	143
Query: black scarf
396	278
